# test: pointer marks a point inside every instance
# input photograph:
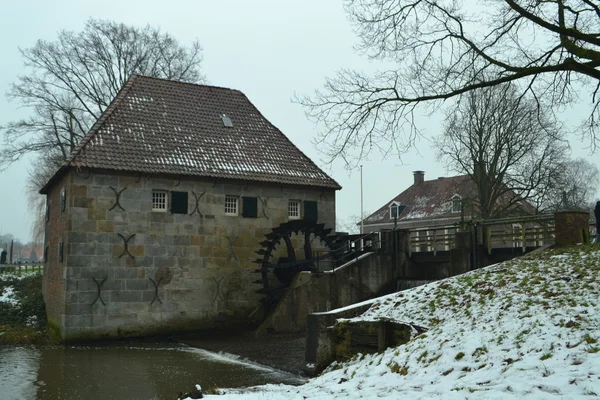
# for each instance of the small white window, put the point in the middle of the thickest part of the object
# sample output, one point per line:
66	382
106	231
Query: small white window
159	200
294	209
231	205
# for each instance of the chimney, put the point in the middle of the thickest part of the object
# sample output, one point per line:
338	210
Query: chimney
419	177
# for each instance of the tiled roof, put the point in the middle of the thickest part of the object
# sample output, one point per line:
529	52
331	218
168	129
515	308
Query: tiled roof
429	199
433	200
160	126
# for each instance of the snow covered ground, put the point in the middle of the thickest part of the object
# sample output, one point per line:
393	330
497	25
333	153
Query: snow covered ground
7	295
524	329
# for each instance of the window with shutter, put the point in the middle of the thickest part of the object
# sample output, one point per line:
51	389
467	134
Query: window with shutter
249	207
159	200
311	210
179	202
294	209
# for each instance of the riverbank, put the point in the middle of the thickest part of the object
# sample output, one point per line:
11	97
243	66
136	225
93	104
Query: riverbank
22	310
282	351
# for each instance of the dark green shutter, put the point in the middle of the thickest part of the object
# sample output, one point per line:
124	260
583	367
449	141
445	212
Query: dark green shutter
249	207
61	251
311	212
179	202
46	254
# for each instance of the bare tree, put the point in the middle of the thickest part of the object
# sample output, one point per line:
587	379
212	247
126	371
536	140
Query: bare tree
511	150
70	81
350	224
40	171
440	49
574	188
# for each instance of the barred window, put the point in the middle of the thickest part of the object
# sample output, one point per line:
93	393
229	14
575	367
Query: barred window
231	205
294	209
159	200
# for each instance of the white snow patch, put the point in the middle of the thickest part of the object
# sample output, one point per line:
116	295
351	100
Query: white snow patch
8	295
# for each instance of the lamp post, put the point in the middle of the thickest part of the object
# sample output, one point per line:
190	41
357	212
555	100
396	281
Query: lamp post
362	230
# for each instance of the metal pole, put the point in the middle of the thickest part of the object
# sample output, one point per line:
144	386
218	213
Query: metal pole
361	202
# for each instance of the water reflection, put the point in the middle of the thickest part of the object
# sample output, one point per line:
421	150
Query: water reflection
18	372
139	371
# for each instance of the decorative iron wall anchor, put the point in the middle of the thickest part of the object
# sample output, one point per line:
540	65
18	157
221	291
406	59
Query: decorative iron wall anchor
156	283
231	248
197	198
263	202
218	294
126	244
99	286
117	199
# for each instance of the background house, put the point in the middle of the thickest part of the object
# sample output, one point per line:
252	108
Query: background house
154	220
444	204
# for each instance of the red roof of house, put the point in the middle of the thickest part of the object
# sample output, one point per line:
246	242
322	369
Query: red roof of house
433	200
426	200
167	127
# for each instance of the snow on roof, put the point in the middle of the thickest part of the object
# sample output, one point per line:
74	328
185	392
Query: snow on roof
167	127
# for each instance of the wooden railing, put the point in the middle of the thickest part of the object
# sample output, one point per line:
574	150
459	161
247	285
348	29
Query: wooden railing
436	238
512	232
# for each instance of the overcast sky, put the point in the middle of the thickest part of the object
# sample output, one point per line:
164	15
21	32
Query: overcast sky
268	49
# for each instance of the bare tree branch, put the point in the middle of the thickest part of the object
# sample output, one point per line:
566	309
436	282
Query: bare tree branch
442	49
70	81
511	150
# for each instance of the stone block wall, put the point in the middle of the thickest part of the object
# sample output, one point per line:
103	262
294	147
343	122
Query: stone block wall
158	271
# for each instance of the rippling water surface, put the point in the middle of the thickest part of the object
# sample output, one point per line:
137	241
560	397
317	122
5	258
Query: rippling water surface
118	371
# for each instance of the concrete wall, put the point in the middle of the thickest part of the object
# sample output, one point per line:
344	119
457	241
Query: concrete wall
204	259
368	277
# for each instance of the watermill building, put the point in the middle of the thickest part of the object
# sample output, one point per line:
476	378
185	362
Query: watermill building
154	220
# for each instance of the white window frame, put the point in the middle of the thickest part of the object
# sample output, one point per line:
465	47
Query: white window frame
232	205
157	205
298	210
397	205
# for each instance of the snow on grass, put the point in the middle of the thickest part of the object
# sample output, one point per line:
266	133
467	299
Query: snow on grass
18	275
8	295
527	328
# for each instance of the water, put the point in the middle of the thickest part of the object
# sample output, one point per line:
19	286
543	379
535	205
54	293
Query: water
123	371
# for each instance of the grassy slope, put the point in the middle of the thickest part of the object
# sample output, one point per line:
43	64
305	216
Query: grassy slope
528	328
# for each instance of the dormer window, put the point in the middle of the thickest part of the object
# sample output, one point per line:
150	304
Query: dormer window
396	209
456	204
